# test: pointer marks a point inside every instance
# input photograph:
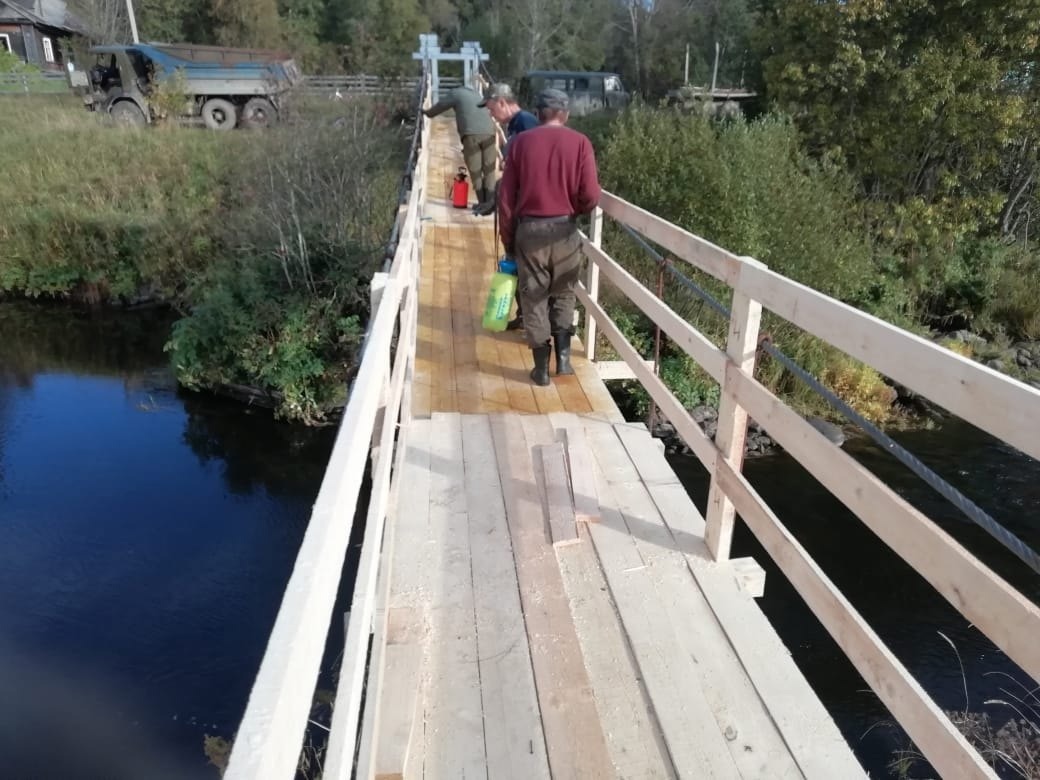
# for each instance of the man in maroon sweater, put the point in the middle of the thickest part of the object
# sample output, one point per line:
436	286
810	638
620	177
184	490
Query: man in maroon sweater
549	179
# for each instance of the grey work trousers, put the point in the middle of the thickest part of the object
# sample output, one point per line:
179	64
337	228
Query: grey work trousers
481	156
548	260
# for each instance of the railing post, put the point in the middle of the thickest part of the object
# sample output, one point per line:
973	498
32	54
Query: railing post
745	317
376	290
592	282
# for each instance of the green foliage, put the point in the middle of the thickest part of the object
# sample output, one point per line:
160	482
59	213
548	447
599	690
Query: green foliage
12	63
749	187
265	241
933	106
250	23
169	96
74	213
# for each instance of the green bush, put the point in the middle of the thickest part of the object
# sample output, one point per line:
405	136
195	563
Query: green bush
749	187
263	241
746	186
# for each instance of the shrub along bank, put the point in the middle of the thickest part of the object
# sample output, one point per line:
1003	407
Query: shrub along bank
749	186
263	242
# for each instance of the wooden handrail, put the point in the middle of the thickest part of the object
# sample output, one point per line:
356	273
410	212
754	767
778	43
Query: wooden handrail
269	739
1000	405
1007	617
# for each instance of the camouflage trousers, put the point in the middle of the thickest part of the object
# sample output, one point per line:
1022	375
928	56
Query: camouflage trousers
548	259
481	156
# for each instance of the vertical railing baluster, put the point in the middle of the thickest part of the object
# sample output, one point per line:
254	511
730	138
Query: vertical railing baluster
731	434
592	281
651	417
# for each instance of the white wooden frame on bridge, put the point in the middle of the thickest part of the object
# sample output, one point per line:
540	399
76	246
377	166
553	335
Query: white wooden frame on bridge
995	403
470	54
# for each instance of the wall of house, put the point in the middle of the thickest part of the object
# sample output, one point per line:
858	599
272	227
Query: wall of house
14	36
27	43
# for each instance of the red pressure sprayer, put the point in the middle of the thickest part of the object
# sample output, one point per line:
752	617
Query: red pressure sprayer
460	190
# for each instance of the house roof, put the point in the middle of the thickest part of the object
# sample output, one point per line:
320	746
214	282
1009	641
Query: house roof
43	13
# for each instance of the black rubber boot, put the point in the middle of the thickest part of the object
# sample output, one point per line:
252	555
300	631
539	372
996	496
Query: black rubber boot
563	352
540	372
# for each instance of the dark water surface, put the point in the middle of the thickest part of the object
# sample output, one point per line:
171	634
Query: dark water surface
146	537
897	603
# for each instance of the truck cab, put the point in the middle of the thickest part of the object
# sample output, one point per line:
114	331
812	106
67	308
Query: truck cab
589	91
118	83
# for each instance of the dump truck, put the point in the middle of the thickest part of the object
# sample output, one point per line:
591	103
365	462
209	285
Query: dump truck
222	88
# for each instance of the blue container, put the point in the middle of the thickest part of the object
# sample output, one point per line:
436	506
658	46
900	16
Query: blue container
507	265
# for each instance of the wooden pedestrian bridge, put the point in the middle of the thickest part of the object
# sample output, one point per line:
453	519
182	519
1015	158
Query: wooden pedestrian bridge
537	596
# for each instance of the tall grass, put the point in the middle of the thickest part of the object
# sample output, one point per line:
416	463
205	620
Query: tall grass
262	240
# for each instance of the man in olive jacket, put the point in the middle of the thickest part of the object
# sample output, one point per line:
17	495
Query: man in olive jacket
477	131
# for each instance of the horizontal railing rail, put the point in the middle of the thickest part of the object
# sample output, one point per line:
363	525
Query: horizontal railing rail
373	431
998	404
367	84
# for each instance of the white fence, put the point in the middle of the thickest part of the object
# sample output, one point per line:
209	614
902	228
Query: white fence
32	83
360	84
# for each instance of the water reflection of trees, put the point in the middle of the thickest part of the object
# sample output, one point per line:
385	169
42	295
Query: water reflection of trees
35	338
255	450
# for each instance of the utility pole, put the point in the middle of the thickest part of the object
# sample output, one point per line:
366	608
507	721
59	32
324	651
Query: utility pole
133	20
686	67
714	71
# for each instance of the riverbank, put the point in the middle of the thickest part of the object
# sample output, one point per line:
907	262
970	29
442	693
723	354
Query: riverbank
1020	360
262	242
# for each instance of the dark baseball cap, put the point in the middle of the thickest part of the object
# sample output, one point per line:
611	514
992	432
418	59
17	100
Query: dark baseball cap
552	98
497	92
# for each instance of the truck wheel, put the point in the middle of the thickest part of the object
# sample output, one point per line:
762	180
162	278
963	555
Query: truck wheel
219	114
128	114
259	113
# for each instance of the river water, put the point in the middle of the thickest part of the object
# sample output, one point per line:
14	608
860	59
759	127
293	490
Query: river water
897	603
146	536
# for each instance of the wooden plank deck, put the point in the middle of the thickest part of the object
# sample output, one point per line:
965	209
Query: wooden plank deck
625	651
460	367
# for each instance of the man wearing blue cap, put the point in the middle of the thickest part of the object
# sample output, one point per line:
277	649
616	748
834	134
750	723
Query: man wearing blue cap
549	179
501	103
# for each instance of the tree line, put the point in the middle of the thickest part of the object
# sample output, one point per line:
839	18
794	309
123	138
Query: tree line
645	40
931	107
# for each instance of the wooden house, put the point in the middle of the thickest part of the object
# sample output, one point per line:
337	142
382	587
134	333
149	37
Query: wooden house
35	31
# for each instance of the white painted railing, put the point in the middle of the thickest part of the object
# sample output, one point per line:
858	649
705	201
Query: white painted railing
998	404
268	743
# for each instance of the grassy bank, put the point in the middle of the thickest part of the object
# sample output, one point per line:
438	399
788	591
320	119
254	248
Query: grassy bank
263	242
750	187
